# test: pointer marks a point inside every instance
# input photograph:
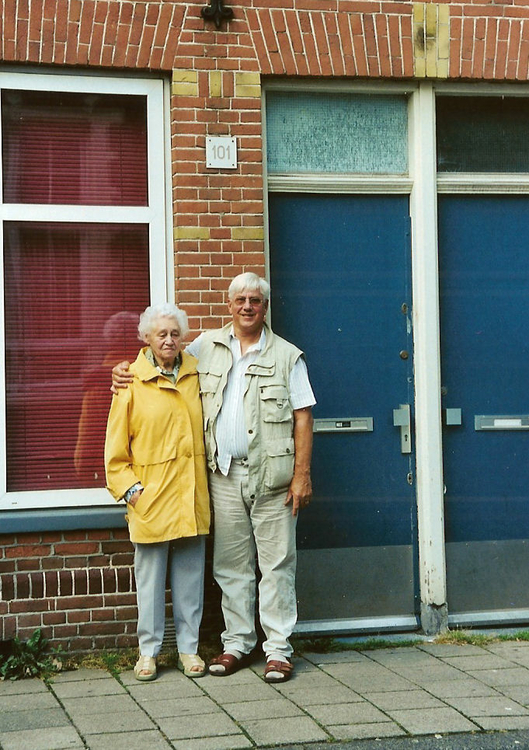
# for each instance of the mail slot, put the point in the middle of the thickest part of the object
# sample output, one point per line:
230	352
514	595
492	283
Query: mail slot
501	422
348	424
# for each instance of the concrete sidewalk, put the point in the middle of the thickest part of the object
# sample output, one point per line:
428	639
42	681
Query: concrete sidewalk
427	689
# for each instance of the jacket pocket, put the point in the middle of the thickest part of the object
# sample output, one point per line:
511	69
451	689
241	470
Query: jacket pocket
279	463
275	403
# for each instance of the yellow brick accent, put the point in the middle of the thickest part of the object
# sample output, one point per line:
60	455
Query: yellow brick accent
215	83
191	233
247	233
248	85
185	83
431	40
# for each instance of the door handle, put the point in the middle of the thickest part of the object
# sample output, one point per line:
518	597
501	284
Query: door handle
402	419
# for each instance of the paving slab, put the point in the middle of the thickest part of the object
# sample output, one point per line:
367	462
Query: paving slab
460	688
519	693
289	729
500	677
271	709
189	727
86	688
372	677
56	738
19	701
227	742
124	721
98	705
450	649
83	673
366	731
195	706
502	723
478	662
432	721
24	687
13	721
344	713
147	740
303	696
408	699
487	706
224	694
159	690
336	658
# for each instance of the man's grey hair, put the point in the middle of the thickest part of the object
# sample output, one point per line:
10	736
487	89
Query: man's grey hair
249	281
164	310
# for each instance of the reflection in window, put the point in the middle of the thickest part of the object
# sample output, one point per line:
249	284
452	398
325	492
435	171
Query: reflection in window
73	293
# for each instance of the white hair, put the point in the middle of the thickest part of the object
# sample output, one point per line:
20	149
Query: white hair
164	310
249	281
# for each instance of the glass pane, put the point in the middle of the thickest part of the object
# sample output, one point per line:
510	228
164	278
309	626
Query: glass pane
73	294
74	148
336	133
482	134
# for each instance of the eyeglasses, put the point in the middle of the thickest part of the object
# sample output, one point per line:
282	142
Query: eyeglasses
254	301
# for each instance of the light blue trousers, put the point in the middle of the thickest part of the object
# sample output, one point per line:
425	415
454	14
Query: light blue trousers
184	560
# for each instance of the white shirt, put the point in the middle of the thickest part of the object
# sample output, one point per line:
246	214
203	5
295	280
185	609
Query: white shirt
230	431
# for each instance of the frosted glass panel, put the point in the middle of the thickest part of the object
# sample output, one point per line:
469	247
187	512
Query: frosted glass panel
336	133
482	134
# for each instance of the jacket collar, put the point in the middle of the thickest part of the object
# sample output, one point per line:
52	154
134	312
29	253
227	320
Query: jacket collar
265	362
145	371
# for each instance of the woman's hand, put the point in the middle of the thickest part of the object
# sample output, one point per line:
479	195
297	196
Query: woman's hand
121	376
134	499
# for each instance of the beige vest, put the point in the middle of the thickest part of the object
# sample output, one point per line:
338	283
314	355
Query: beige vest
267	408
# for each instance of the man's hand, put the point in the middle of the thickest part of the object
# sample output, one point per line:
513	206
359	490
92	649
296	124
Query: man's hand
300	490
121	377
299	493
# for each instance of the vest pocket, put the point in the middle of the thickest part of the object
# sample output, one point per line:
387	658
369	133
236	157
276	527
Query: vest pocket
279	463
275	404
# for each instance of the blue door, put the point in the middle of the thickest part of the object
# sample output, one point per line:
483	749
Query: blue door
484	266
339	267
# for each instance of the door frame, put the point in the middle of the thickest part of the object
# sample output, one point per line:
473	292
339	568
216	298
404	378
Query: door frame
422	184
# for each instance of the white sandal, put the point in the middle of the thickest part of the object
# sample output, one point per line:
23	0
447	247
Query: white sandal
146	665
188	663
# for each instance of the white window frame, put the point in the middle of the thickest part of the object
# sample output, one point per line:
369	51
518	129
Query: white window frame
157	214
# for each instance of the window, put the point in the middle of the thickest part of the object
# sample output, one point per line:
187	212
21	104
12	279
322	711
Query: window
83	233
482	134
347	133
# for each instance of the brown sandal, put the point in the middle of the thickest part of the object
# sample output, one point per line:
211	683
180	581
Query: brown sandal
278	671
229	662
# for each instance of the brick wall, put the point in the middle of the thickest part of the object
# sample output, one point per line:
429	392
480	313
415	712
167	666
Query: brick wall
79	587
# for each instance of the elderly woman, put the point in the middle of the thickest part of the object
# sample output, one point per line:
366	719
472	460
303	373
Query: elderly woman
154	459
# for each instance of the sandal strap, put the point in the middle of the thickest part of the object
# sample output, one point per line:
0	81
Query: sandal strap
284	667
192	660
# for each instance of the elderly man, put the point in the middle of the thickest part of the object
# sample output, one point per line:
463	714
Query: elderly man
257	401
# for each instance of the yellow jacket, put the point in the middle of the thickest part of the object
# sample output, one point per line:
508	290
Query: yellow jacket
155	436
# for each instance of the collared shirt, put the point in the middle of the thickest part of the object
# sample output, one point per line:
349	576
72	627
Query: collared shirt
172	375
230	434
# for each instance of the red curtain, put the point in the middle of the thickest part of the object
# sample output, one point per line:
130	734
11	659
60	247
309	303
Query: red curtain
82	149
73	291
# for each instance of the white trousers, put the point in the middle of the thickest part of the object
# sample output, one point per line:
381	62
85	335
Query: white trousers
243	527
184	560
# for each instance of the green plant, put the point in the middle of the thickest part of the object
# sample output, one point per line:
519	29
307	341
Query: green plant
30	658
